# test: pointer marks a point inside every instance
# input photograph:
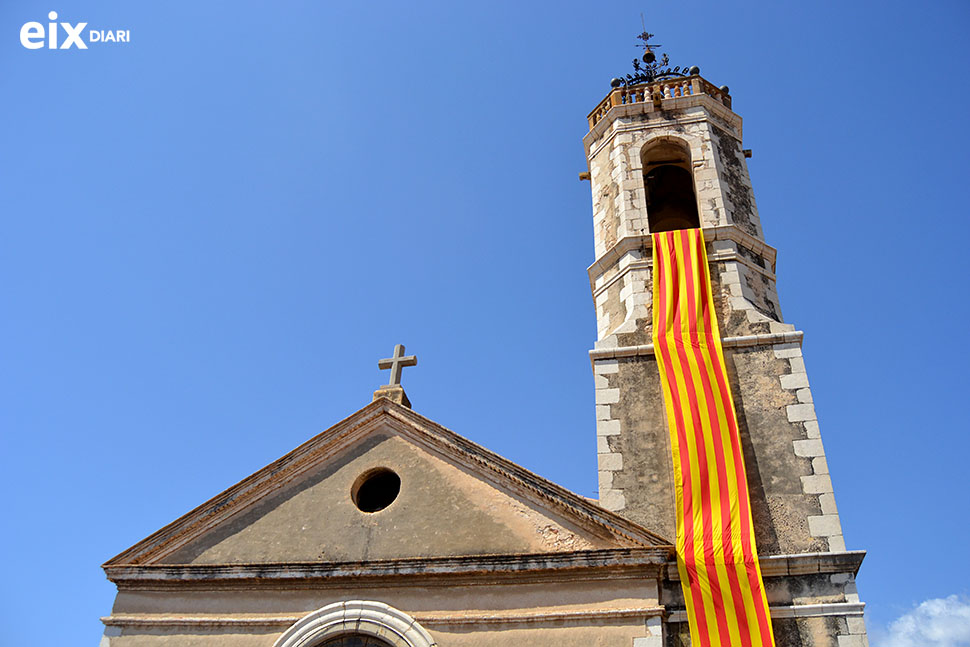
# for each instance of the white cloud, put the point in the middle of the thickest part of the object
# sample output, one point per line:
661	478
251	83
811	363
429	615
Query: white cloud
940	622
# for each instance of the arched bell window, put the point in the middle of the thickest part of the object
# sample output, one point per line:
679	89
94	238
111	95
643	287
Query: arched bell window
669	187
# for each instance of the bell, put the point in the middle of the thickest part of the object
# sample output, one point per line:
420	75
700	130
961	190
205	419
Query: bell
649	56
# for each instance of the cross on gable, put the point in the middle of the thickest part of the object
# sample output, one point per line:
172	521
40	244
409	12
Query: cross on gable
396	363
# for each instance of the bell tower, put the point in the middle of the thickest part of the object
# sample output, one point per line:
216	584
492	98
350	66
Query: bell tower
664	152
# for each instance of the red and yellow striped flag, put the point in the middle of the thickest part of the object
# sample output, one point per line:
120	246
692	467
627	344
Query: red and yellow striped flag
716	553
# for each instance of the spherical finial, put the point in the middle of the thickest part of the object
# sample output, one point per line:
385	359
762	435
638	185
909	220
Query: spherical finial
694	70
615	82
725	89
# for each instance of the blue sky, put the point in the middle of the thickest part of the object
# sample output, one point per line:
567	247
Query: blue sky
211	234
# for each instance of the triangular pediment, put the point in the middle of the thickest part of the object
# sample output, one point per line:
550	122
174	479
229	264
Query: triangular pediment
455	498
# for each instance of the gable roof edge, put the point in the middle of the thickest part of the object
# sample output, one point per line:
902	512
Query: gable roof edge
250	489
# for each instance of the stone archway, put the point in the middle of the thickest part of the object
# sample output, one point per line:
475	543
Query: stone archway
340	622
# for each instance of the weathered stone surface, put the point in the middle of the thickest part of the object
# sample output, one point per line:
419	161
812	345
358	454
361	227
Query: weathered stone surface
647	477
780	505
441	510
792	502
393	392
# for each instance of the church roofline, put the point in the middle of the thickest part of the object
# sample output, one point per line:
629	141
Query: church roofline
327	443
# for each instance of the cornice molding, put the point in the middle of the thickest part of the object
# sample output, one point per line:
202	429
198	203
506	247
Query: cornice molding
612	256
742	341
797	611
621	563
800	564
146	620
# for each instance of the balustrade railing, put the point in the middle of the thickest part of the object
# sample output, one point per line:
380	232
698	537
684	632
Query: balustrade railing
656	92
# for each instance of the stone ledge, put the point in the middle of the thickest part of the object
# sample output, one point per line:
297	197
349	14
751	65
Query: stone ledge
549	616
800	564
611	563
626	244
798	611
744	341
646	265
149	620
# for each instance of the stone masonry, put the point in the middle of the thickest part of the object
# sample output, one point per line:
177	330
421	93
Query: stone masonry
793	503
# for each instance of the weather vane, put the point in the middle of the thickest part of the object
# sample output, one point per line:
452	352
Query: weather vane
648	68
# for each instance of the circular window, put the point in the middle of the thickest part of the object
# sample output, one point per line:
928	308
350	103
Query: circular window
376	489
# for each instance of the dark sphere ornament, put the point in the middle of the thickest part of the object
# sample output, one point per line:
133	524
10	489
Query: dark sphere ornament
615	82
694	70
725	89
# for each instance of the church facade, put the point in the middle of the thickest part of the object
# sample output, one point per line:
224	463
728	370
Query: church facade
389	530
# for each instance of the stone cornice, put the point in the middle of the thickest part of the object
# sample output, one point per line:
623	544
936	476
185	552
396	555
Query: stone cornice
581	615
798	611
586	565
612	256
743	341
200	620
280	621
807	563
800	564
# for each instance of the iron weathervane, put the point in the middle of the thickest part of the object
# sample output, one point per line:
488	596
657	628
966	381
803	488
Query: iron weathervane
648	68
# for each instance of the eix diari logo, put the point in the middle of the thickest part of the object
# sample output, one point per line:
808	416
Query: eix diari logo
34	36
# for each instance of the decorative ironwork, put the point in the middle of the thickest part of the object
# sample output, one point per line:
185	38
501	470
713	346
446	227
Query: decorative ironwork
649	68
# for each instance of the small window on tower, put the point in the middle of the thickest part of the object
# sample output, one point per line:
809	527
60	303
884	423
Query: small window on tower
669	187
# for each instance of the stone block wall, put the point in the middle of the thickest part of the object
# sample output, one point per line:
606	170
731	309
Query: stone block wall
792	498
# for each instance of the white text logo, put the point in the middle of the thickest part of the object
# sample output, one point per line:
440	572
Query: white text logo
64	35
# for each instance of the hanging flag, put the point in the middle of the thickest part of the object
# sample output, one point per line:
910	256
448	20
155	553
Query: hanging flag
716	553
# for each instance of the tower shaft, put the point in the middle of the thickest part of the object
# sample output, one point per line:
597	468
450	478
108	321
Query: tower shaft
667	155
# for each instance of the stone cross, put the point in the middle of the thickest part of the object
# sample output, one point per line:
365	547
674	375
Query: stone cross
396	363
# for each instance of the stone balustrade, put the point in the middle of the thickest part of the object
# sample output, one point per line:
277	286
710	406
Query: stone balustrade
683	86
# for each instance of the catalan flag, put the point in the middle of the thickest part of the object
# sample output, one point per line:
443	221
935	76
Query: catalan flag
716	553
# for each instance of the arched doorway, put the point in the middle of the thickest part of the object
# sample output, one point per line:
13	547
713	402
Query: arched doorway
356	623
